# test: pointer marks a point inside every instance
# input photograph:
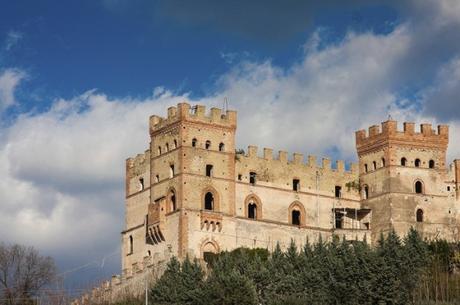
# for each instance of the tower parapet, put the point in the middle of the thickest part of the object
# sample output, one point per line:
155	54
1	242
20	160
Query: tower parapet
426	138
198	113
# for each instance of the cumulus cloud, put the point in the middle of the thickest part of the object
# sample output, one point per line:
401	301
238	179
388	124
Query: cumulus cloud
62	170
9	81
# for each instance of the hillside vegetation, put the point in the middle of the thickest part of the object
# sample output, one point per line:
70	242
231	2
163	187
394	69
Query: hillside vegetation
395	271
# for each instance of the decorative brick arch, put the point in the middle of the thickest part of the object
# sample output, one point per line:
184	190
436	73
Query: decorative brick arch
297	206
253	198
216	197
209	245
169	204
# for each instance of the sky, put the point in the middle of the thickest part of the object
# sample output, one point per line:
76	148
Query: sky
79	79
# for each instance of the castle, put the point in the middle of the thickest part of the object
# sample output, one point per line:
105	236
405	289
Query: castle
192	193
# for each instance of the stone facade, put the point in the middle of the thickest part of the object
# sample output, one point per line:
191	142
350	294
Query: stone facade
192	193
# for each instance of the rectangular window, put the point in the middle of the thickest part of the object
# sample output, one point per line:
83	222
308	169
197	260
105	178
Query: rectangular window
296	185
208	170
252	178
338	191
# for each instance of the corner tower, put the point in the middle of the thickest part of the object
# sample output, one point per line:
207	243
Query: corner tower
402	176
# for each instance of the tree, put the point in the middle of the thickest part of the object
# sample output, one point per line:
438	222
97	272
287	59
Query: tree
23	272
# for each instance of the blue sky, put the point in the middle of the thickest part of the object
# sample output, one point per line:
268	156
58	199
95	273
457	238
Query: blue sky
78	80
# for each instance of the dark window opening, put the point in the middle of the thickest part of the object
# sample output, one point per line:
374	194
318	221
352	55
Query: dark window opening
418	187
296	185
240	177
172	199
194	142
131	244
403	161
295	217
366	192
252	178
209	258
159	150
209	201
448	188
431	164
419	215
221	147
149	253
365	168
171	171
252	211
208	144
383	162
338	220
175	144
338	191
157	178
374	165
417	163
167	147
141	184
209	170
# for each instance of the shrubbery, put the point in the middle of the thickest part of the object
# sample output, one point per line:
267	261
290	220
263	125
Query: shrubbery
396	271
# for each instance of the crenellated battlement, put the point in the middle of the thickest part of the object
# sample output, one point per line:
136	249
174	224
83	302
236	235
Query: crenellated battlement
299	159
388	131
197	113
137	164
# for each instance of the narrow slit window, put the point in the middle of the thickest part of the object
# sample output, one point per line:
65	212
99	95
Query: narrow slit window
419	215
240	177
209	170
296	185
171	171
157	178
131	244
366	192
175	144
383	162
159	150
338	191
141	184
365	168
374	165
431	164
252	178
194	141
417	163
167	147
208	144
221	147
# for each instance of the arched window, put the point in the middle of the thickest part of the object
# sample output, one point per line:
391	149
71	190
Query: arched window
221	146
159	150
296	214
252	210
194	141
209	201
296	217
418	187
365	168
431	164
172	201
167	147
383	162
175	144
141	184
208	144
419	215
374	165
131	245
403	161
171	171
366	192
157	178
417	163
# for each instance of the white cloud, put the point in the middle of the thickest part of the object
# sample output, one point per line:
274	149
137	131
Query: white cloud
12	39
9	80
62	170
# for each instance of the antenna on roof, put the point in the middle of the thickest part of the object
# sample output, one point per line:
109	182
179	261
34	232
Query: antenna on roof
225	108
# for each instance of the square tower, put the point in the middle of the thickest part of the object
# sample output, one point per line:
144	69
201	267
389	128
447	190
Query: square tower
402	176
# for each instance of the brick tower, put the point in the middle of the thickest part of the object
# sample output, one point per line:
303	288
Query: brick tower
402	178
